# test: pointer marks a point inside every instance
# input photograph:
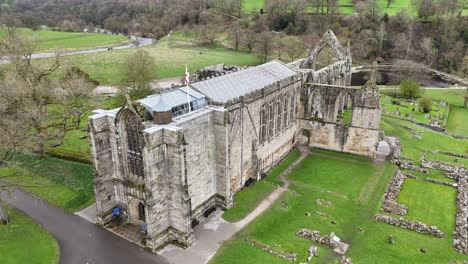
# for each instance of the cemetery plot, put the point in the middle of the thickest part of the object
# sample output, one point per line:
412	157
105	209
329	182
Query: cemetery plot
410	110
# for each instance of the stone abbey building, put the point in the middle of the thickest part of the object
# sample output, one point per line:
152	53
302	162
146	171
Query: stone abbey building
166	162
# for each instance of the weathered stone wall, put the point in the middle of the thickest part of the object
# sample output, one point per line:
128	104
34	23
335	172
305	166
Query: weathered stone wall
200	157
361	141
389	201
247	155
460	235
411	225
101	136
168	204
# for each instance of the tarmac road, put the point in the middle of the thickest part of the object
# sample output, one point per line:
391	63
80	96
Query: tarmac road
80	241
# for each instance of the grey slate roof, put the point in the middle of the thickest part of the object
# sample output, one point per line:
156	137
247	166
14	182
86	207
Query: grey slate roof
226	87
171	98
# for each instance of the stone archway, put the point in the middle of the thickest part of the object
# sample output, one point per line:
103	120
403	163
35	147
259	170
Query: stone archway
304	137
136	210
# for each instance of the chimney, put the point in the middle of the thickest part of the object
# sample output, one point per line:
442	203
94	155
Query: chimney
162	113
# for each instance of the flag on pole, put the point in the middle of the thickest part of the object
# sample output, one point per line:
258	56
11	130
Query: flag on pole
187	81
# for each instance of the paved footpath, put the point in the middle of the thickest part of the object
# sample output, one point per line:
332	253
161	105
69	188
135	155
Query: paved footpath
80	241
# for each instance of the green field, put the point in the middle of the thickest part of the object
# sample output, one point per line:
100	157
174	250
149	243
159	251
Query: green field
458	118
65	184
24	241
171	58
53	40
347	7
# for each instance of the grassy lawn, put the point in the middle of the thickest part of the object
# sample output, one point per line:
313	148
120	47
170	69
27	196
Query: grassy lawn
456	161
413	147
171	58
253	5
458	115
65	184
24	241
273	174
410	109
457	120
53	40
333	173
247	200
277	226
250	197
439	212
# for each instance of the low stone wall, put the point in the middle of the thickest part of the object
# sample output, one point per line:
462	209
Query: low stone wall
453	154
284	255
406	163
315	236
439	165
389	201
451	184
410	225
345	260
460	242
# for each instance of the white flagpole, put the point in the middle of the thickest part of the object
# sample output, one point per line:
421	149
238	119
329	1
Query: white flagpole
187	83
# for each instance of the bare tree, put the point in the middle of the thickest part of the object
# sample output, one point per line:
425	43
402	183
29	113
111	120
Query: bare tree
210	32
389	2
280	42
409	70
250	39
294	49
426	8
34	80
382	33
264	46
78	96
236	34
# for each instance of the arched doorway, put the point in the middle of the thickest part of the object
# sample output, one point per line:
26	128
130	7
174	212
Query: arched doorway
304	137
136	210
141	212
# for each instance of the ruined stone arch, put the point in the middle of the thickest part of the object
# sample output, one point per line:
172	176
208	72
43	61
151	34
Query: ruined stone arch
303	137
328	41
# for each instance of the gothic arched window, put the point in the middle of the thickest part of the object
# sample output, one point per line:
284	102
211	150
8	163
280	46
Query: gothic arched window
271	119
278	115
285	110
134	140
292	110
263	121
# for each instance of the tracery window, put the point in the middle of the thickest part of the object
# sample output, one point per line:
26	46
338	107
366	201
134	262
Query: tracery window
271	119
263	123
278	115
133	128
285	110
292	110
